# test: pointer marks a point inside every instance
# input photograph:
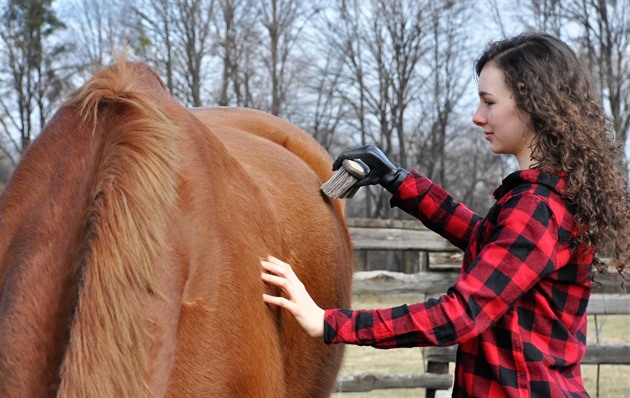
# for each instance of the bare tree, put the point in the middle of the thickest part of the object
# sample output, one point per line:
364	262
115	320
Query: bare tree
542	15
176	37
193	32
605	42
497	16
601	31
342	39
404	79
157	44
99	29
381	47
343	28
406	30
189	40
34	85
237	37
283	23
448	78
329	111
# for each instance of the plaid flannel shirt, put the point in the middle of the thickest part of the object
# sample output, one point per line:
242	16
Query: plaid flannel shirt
518	308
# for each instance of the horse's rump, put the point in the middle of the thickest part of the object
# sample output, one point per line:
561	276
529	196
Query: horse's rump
130	236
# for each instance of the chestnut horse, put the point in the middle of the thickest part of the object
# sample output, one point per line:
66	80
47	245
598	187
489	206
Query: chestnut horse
131	235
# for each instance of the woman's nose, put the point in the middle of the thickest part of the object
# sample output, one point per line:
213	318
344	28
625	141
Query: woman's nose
478	118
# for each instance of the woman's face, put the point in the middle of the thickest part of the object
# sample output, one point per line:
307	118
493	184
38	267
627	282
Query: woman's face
506	127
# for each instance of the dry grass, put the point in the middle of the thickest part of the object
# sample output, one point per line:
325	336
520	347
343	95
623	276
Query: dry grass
614	380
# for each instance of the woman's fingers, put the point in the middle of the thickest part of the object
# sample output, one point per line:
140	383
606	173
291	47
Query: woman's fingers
297	301
277	267
275	300
280	274
278	281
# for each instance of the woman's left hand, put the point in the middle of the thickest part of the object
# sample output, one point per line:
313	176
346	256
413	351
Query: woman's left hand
297	301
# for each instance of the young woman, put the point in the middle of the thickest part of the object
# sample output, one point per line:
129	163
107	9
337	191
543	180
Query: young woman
517	310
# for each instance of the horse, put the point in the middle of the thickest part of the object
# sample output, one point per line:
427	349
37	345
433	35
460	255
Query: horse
131	234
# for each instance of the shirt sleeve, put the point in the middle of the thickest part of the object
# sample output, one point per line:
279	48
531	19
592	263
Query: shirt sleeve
436	208
521	251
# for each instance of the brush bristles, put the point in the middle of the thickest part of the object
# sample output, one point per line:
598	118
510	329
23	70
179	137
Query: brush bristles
340	185
343	183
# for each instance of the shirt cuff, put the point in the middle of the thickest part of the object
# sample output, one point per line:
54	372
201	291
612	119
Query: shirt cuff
416	184
333	321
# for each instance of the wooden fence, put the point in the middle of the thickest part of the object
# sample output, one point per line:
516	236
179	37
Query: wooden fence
435	278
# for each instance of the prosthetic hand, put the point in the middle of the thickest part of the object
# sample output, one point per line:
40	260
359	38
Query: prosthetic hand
382	170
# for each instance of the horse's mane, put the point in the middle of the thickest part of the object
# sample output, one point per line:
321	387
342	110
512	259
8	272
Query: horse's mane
133	191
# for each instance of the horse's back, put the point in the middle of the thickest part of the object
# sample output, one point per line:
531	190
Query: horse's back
240	128
271	128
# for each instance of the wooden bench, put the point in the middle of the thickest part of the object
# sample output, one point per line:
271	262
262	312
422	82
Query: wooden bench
408	235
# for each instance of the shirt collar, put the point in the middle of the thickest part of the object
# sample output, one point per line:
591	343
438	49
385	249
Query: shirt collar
556	182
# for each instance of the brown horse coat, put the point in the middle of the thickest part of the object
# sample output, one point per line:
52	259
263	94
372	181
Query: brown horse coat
130	240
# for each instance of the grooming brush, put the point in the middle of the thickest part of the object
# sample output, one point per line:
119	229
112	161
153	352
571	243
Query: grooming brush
342	184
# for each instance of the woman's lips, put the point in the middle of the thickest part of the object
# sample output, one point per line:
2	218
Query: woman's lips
488	134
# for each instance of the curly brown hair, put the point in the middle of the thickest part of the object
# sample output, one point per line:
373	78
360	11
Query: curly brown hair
573	136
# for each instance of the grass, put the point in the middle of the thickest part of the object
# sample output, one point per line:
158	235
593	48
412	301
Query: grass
614	381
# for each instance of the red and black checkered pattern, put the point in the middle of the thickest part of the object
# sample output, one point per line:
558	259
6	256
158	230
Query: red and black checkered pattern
517	310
